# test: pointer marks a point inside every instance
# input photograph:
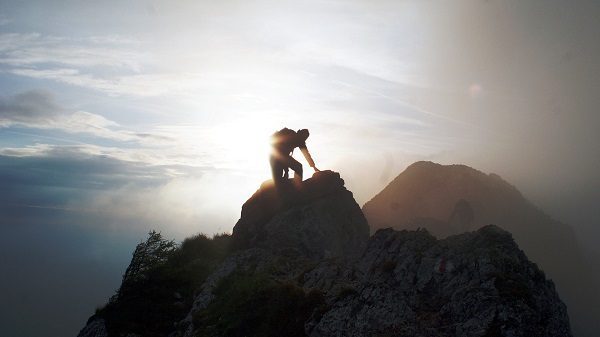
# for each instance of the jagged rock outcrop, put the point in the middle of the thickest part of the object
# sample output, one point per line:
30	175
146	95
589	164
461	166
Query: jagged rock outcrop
317	219
453	199
475	284
302	264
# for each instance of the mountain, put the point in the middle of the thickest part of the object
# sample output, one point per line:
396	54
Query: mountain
300	262
452	199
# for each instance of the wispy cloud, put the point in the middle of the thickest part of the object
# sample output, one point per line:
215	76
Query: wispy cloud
39	109
176	161
134	84
113	64
30	49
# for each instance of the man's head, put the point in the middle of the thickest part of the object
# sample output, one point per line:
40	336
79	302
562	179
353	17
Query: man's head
303	133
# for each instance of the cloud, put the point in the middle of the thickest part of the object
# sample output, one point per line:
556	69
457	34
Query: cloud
44	164
101	188
31	106
49	175
39	109
136	84
205	55
173	164
29	49
113	64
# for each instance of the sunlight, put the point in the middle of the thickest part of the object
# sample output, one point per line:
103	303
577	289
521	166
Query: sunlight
244	145
242	149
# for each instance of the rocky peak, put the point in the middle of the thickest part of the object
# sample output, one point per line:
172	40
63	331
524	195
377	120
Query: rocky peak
430	190
303	265
318	218
452	199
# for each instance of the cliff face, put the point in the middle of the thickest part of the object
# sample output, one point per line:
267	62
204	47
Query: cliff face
453	199
301	263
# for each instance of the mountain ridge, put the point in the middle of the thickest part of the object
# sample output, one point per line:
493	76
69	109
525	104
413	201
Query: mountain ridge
301	263
427	194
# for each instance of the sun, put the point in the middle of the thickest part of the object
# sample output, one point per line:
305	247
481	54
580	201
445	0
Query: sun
244	144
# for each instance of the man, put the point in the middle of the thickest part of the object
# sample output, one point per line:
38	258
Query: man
284	142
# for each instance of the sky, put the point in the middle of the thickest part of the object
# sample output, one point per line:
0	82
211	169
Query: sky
119	117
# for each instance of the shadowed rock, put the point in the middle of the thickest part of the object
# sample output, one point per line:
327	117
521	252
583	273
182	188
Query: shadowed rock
451	199
319	218
408	283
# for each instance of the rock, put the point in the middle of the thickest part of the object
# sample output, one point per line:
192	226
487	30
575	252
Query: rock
95	327
239	261
474	284
303	265
409	283
318	219
451	199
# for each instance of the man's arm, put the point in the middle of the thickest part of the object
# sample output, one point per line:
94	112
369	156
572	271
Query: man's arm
309	159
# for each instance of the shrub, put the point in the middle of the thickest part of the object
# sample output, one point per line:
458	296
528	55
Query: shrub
146	303
147	255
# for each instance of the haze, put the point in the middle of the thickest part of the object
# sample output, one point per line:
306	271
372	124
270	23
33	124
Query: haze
121	117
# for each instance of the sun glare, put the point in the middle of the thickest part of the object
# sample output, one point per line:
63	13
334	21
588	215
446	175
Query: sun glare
245	145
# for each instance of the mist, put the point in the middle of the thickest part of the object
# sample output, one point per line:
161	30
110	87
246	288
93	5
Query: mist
116	119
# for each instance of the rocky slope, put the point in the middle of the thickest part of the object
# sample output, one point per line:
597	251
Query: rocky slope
475	284
453	199
301	263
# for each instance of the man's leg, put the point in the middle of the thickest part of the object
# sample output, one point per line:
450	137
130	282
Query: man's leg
295	165
277	168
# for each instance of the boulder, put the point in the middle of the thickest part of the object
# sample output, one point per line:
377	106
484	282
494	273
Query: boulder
317	219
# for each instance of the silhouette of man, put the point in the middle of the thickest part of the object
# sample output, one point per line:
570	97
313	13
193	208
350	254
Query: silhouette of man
284	142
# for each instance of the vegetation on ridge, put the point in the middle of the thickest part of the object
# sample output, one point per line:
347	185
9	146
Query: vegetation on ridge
158	285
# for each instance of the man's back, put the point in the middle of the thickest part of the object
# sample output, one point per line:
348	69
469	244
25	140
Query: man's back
286	140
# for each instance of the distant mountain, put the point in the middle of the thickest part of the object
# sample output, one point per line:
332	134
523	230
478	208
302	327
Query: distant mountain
452	199
300	262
